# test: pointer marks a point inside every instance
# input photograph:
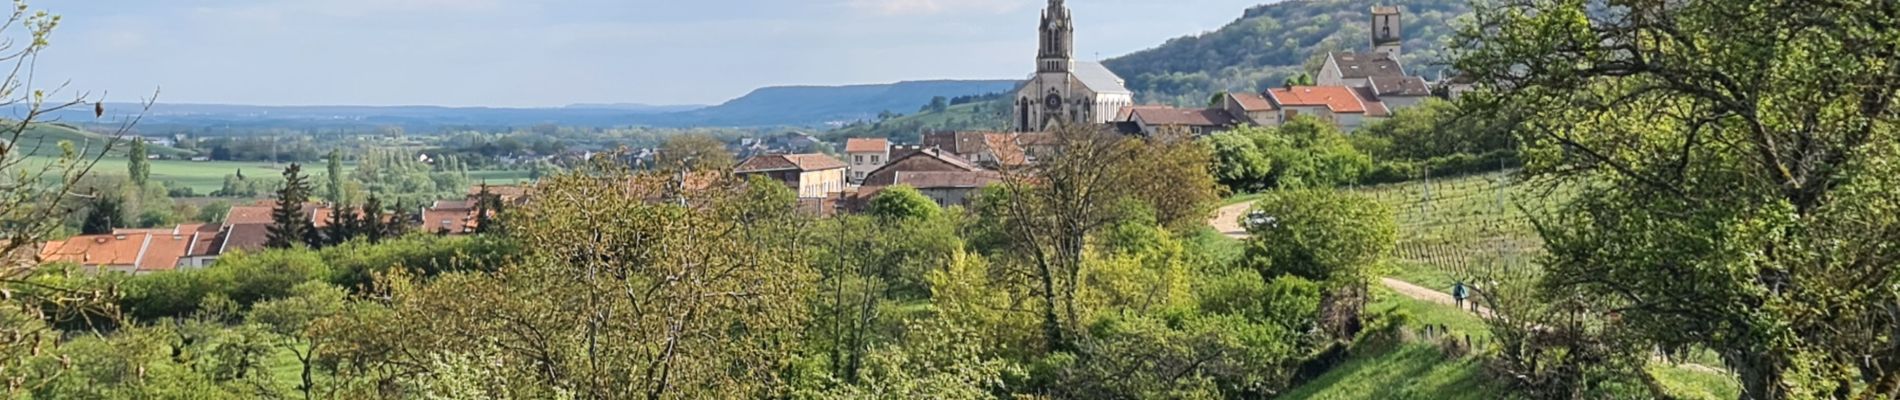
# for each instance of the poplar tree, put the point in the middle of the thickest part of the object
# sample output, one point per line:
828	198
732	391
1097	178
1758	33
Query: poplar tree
137	165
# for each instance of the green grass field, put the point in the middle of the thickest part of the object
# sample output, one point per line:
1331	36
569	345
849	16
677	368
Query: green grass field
205	177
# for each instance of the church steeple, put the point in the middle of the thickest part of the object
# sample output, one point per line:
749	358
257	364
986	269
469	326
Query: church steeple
1057	51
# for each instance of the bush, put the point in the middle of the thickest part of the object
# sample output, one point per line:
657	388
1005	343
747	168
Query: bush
1452	165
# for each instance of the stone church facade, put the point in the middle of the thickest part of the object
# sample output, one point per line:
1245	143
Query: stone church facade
1064	91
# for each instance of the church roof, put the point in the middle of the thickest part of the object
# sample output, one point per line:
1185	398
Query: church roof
1367	65
1099	79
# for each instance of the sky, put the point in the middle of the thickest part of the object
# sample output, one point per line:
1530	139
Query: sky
540	53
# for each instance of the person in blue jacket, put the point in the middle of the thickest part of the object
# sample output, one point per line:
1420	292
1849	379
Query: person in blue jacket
1458	293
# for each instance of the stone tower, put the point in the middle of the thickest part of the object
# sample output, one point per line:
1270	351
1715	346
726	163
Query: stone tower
1056	54
1386	33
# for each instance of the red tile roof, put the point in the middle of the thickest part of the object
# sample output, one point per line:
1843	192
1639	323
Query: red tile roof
1252	101
248	215
164	251
1339	99
96	250
864	145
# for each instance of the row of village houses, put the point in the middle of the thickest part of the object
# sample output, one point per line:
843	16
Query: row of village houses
245	228
947	167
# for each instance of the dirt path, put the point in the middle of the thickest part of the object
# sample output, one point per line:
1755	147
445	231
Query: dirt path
1227	221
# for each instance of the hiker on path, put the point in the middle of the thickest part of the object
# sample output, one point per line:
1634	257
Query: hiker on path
1458	294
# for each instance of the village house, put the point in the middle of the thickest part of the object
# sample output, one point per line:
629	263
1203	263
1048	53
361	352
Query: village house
866	155
1353	89
943	177
987	149
138	251
811	175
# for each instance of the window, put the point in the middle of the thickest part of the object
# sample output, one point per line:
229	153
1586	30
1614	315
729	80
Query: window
857	159
874	159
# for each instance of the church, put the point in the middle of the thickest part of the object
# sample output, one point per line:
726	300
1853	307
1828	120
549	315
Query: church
1064	91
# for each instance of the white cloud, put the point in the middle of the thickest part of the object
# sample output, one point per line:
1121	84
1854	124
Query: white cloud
933	7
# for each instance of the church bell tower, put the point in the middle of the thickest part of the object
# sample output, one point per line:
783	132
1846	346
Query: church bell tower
1386	35
1057	51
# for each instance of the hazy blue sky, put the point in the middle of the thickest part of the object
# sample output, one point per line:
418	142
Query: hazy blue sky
556	52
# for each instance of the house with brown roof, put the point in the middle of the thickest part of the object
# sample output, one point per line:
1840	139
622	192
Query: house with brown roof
509	194
866	155
941	176
450	217
1178	121
948	188
1250	108
988	149
811	175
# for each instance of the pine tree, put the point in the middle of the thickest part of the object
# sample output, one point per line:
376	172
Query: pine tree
106	213
399	221
137	165
289	226
343	225
372	223
484	206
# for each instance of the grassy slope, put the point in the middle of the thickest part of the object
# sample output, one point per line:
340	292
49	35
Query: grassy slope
1420	370
975	116
1446	227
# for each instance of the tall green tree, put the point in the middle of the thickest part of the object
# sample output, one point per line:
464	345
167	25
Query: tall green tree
1049	212
138	165
375	220
1238	162
903	202
694	152
105	214
333	184
1735	161
1333	238
289	225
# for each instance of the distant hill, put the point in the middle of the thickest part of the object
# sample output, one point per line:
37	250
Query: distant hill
43	139
984	115
636	107
806	106
814	105
1274	41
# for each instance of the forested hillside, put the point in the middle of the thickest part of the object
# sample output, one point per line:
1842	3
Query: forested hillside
1272	42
